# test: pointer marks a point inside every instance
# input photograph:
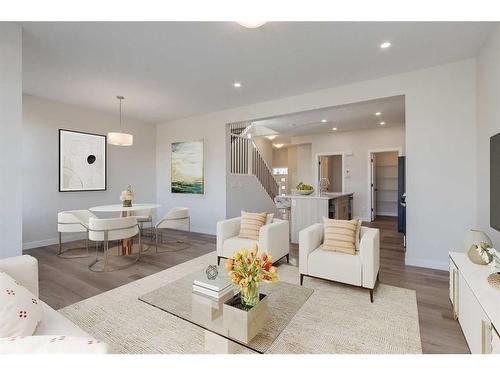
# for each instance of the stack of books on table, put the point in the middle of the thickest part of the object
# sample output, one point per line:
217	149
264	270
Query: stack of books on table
218	288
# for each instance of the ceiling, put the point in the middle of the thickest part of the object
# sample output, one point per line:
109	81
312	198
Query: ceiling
347	117
169	70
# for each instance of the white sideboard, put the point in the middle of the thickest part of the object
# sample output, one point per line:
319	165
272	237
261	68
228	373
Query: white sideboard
476	304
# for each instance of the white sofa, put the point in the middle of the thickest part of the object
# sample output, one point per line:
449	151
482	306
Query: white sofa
273	239
24	269
360	269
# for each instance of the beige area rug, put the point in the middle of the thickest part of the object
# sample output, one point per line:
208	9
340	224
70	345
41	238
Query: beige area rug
335	319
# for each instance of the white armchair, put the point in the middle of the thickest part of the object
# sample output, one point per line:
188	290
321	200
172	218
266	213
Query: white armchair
360	269
273	239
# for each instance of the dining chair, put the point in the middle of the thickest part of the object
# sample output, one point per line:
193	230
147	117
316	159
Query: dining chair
116	229
75	221
143	217
177	217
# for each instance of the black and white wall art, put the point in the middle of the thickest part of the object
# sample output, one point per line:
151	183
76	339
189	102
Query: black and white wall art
82	161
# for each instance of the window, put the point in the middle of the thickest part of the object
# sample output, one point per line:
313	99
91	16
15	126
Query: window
280	171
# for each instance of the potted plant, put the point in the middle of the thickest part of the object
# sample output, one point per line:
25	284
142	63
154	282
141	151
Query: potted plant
127	196
247	270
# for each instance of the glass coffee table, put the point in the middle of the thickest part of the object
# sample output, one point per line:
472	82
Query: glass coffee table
282	302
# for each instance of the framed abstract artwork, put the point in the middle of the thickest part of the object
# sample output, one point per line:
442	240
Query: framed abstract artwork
82	161
187	168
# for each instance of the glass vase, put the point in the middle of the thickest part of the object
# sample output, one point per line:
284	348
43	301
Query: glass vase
250	296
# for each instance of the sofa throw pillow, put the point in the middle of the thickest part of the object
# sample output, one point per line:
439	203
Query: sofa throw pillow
340	235
251	224
358	234
20	310
51	345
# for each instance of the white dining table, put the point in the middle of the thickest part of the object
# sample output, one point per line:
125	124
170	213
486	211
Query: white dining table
120	208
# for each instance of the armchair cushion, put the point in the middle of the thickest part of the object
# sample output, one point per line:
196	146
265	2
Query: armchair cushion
235	243
251	224
334	265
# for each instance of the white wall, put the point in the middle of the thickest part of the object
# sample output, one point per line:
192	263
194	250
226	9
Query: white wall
10	139
440	149
488	124
245	192
357	142
133	165
265	147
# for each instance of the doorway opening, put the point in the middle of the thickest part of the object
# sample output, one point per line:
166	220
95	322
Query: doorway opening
384	189
330	173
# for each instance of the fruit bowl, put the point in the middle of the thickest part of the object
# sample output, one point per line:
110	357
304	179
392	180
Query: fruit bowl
305	192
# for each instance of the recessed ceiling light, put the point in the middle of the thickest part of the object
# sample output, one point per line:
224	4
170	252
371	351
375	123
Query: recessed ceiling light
385	45
278	145
323	120
378	113
382	122
271	137
237	84
334	129
251	24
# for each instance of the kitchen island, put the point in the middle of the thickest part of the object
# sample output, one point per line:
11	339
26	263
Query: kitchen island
310	209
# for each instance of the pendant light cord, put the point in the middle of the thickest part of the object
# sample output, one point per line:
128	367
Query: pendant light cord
121	127
120	98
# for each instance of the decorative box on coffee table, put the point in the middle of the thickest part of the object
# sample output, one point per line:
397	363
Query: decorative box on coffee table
244	324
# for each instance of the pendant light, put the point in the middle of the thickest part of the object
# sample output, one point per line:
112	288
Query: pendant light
120	139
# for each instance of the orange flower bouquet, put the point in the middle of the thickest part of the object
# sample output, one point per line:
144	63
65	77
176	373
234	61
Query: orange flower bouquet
247	270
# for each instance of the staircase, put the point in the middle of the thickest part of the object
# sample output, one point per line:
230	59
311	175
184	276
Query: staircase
246	159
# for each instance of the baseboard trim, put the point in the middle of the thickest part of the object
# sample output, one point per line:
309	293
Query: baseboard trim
53	241
418	262
77	236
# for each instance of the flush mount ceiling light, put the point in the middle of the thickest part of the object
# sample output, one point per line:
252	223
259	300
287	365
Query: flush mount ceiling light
323	121
334	129
237	85
271	137
385	45
378	113
251	24
278	145
382	123
120	139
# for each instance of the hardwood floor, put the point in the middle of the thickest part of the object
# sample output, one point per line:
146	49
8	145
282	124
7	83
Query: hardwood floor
66	281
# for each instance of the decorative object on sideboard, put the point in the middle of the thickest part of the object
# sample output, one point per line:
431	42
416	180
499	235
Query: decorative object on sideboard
127	196
472	240
187	168
120	138
82	161
212	272
494	278
247	270
480	254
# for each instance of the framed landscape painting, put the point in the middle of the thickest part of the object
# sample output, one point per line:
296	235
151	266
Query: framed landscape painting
187	168
82	161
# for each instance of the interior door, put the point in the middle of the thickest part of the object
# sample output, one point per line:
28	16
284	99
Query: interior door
373	186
